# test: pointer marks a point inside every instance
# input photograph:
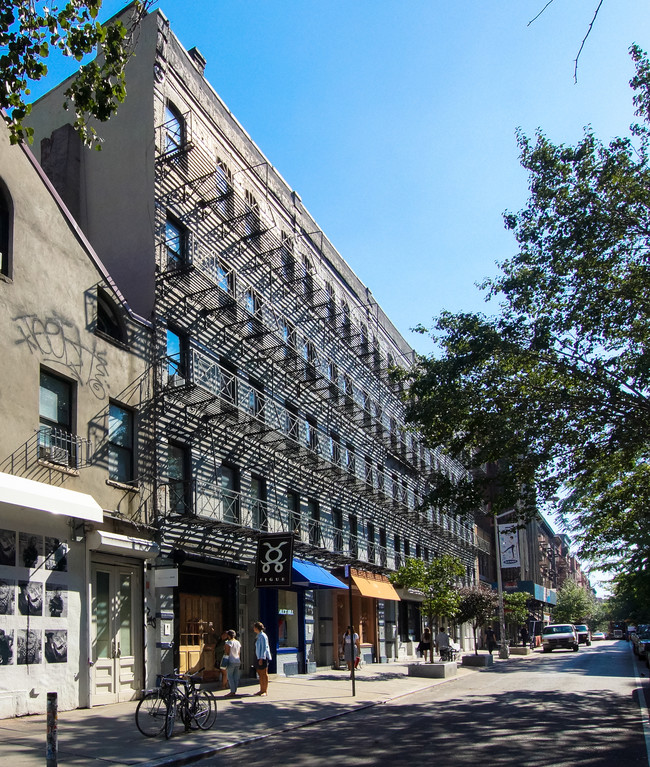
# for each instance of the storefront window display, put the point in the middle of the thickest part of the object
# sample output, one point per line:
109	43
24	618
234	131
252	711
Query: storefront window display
287	619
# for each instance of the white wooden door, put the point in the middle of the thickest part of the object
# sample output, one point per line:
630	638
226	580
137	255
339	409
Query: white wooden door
116	637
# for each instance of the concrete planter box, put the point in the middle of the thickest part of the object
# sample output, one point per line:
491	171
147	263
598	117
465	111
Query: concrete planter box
478	660
433	670
520	651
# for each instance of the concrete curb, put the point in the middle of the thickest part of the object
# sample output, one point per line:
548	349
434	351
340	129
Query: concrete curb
189	757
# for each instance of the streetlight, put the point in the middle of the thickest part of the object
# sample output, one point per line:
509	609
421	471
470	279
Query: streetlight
504	650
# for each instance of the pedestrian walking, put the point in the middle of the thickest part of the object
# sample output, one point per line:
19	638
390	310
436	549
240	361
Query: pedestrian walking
351	647
426	644
263	656
525	636
491	639
232	661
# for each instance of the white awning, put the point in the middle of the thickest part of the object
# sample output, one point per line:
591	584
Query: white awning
124	545
29	494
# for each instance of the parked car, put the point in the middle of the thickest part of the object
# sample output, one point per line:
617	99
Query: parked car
560	636
584	635
597	636
641	641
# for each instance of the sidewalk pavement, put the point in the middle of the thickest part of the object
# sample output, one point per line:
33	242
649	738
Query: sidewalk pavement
107	735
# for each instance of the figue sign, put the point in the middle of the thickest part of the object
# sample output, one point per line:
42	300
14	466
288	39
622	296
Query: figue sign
274	559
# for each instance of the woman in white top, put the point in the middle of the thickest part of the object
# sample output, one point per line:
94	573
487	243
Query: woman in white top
232	651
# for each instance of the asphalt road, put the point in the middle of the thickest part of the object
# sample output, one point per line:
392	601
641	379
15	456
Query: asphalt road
557	709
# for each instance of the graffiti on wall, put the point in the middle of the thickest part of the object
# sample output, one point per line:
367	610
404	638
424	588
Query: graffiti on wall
57	340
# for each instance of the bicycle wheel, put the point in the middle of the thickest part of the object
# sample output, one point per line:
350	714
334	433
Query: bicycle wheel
150	714
204	710
170	714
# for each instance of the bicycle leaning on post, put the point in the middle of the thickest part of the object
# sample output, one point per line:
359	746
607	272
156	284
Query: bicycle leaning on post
176	697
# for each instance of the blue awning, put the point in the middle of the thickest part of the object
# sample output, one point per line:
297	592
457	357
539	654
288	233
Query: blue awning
313	576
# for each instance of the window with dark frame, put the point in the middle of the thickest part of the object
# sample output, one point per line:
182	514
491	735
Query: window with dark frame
120	443
174	126
313	513
258	502
108	319
55	440
230	493
293	506
337	524
178	471
5	232
175	243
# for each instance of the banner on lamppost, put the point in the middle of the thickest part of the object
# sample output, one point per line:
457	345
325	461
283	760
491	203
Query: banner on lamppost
274	560
509	545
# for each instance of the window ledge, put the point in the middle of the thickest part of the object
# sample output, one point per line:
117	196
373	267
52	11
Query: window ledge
122	486
58	467
112	340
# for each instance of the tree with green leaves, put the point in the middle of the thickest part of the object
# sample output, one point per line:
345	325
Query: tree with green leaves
516	608
31	32
437	580
553	389
574	604
478	605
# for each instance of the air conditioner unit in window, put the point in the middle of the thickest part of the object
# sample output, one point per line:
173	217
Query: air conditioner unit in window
55	454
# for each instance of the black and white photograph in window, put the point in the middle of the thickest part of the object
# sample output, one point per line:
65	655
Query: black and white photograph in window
7	597
30	598
56	600
56	554
56	646
30	647
30	550
8	548
6	647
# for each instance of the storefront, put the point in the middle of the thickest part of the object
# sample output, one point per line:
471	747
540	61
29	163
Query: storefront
373	614
409	622
71	601
298	619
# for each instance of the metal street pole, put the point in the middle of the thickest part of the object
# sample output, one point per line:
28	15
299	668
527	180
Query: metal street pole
353	649
504	651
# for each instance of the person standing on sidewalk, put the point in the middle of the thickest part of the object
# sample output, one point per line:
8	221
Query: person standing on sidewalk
263	656
232	651
491	639
351	648
442	642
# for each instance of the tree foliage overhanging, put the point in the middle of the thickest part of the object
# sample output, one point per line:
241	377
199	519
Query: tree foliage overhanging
554	387
31	32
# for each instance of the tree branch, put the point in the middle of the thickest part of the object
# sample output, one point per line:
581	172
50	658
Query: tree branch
584	40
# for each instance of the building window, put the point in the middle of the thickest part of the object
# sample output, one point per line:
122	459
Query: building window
337	524
368	472
108	319
176	354
286	256
258	504
398	551
330	304
225	198
225	278
383	554
252	215
174	129
372	550
6	221
346	324
175	243
350	460
308	279
335	449
230	493
293	506
177	479
311	434
256	400
313	512
120	443
354	535
55	440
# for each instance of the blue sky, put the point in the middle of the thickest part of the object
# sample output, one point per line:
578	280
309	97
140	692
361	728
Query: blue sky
395	119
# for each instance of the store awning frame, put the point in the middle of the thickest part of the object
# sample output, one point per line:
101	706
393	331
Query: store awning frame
25	493
376	587
122	545
312	576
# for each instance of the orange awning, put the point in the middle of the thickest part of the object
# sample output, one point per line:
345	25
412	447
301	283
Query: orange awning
375	586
